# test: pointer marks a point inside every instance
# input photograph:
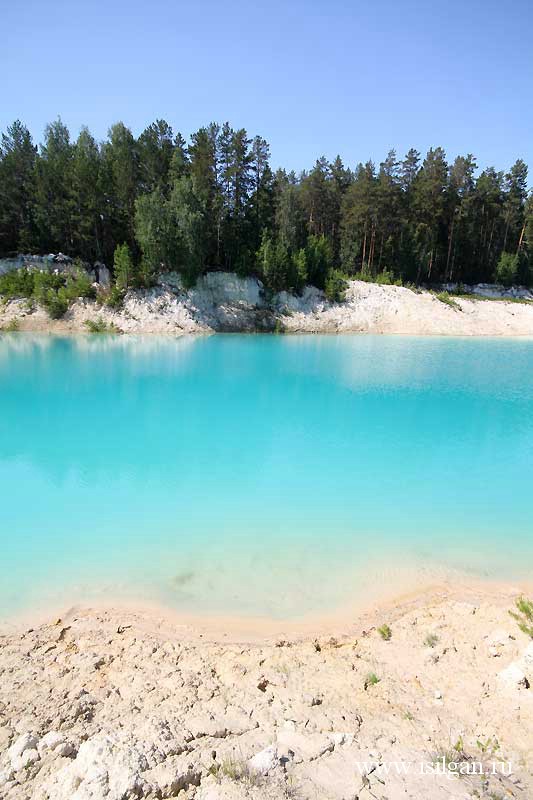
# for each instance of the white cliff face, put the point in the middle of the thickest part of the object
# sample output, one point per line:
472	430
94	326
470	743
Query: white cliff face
223	301
311	301
218	288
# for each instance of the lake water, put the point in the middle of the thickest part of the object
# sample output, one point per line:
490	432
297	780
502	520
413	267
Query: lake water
265	475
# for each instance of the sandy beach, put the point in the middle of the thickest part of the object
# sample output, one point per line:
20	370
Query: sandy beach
116	703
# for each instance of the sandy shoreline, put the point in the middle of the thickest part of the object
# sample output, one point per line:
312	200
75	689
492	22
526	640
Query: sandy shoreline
120	703
227	627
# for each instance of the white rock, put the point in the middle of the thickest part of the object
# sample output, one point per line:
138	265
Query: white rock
103	769
28	757
438	695
514	676
527	655
5	737
50	741
25	742
226	287
496	642
265	760
211	793
310	301
6	775
498	638
304	746
172	776
66	749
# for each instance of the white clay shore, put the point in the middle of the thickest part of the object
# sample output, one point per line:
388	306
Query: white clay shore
225	302
118	704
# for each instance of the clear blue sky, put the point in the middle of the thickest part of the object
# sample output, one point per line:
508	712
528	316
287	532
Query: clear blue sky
313	78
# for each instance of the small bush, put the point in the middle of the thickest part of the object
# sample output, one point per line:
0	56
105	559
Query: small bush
335	286
17	283
371	680
115	298
507	269
124	269
80	285
385	278
524	617
44	282
431	640
237	769
147	276
99	325
53	291
448	300
385	632
55	303
450	759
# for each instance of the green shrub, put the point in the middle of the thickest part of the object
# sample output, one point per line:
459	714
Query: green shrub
371	680
99	325
125	272
147	277
335	286
385	632
17	283
363	276
237	769
115	298
431	640
55	303
79	285
43	282
524	617
507	269
448	300
385	278
53	291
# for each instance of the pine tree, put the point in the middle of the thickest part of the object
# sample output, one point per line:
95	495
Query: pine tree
17	188
86	198
125	273
156	149
121	157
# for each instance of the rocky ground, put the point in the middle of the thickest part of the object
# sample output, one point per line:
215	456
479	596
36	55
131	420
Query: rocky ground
225	302
115	704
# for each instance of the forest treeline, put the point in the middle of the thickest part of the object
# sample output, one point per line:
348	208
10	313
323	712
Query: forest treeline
215	202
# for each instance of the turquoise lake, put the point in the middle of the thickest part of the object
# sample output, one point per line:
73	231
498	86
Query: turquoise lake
260	475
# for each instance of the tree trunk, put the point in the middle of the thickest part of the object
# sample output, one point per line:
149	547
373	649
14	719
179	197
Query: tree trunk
430	265
450	240
521	238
